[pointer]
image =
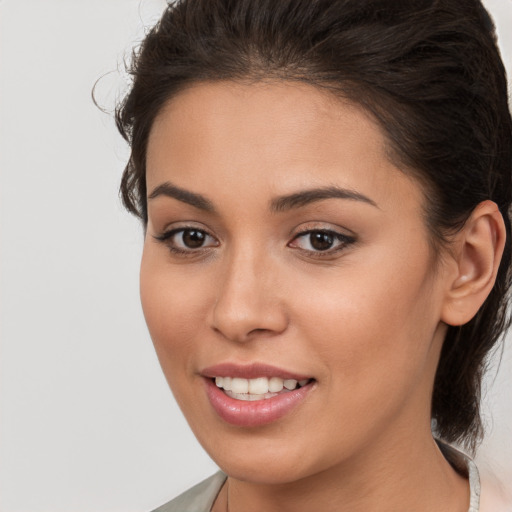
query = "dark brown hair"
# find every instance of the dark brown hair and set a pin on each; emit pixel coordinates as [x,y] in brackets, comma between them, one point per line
[428,70]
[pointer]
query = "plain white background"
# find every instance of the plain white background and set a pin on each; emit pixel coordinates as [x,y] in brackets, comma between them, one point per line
[87,422]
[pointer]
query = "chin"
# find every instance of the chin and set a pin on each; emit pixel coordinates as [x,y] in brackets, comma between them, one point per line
[267,457]
[264,472]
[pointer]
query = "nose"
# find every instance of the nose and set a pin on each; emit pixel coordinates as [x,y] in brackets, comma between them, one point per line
[248,303]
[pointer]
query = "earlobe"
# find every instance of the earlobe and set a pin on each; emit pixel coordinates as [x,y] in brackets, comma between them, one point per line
[478,252]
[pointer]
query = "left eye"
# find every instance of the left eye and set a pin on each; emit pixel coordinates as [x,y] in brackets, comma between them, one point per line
[320,240]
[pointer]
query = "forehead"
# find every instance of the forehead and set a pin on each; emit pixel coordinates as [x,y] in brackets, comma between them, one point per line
[275,135]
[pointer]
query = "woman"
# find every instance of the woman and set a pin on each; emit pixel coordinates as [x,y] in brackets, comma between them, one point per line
[325,189]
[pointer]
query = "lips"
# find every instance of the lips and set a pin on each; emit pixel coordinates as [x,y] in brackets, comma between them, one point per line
[250,371]
[256,394]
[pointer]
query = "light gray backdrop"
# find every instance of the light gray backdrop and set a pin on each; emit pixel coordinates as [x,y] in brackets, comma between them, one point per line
[86,420]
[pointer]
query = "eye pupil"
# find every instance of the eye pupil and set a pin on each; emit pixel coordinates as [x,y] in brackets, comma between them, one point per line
[193,238]
[321,241]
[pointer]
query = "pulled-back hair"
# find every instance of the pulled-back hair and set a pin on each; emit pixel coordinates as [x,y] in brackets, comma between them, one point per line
[429,72]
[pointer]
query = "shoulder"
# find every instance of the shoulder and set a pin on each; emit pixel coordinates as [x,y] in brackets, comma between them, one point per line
[199,498]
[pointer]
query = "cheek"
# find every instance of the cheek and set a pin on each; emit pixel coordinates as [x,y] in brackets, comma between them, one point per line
[172,307]
[373,326]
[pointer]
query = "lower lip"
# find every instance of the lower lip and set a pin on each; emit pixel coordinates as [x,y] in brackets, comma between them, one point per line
[254,413]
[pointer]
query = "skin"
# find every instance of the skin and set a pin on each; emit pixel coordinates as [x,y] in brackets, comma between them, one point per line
[365,319]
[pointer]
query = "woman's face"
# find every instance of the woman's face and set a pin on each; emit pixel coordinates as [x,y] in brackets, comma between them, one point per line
[283,245]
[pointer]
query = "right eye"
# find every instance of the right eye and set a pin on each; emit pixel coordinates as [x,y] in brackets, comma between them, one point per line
[187,240]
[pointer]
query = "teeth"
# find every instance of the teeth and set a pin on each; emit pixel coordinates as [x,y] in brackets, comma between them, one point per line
[258,387]
[290,384]
[239,385]
[275,384]
[248,397]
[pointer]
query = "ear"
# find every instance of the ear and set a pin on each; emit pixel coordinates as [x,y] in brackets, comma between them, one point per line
[477,255]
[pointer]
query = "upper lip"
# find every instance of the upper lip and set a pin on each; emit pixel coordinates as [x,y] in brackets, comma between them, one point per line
[250,371]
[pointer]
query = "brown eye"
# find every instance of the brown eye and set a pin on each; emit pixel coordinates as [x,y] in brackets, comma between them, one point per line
[317,241]
[321,241]
[193,238]
[187,240]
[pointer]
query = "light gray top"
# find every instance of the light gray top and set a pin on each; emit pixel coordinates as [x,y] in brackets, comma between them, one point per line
[201,497]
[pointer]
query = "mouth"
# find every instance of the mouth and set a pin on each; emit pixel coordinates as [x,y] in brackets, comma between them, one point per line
[260,388]
[255,395]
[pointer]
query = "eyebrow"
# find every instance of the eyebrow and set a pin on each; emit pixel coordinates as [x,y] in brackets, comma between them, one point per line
[278,204]
[305,197]
[169,190]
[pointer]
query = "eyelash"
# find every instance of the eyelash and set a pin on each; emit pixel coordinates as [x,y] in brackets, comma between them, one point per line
[344,241]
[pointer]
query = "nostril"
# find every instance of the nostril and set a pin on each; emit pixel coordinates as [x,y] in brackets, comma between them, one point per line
[256,331]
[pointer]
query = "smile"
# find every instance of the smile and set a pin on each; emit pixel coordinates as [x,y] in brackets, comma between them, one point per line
[255,395]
